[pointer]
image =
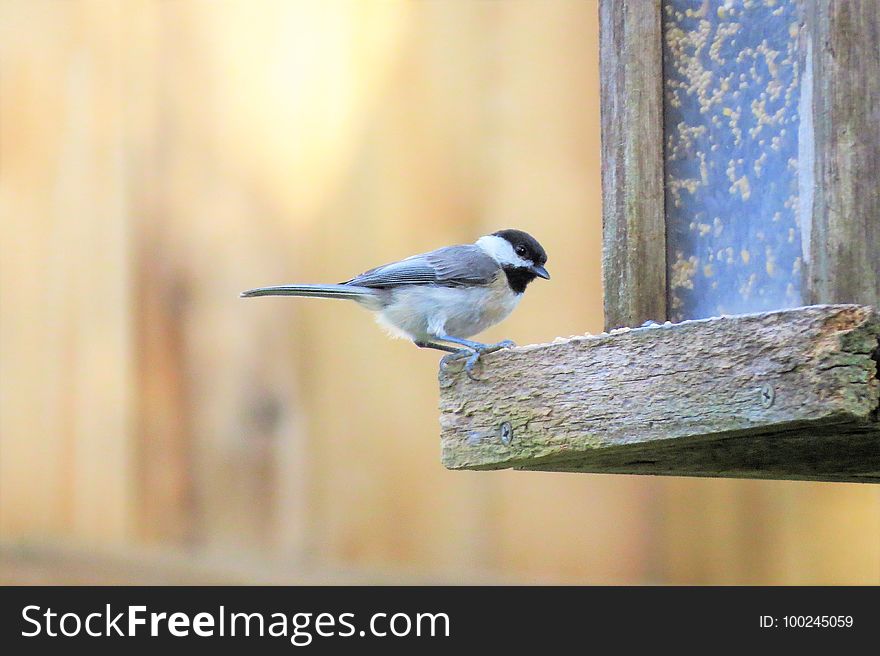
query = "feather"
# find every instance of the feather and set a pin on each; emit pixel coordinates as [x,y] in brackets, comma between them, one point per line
[452,266]
[314,291]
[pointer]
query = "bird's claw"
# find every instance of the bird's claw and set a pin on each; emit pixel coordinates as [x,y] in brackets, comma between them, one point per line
[473,356]
[470,356]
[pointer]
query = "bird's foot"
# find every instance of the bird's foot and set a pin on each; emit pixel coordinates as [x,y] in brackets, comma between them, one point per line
[504,343]
[471,356]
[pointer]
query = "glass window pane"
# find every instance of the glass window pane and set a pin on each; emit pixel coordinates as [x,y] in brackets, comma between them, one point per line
[731,95]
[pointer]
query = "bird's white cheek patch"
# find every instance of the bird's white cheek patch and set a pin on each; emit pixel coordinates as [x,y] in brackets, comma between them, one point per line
[501,251]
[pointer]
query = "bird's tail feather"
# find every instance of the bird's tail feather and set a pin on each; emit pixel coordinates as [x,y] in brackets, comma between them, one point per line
[349,292]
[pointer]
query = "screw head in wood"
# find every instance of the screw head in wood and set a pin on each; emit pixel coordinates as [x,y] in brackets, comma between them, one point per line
[768,395]
[506,432]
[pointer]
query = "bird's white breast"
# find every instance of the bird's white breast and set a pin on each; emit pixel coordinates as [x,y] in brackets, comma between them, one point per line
[420,311]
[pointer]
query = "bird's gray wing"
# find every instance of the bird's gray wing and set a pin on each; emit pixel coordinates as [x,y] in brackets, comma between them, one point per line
[453,266]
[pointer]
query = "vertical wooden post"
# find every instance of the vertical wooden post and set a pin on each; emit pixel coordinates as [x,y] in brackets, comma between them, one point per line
[842,203]
[634,224]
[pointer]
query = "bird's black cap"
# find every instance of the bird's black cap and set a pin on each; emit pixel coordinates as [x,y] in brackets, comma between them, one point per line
[532,249]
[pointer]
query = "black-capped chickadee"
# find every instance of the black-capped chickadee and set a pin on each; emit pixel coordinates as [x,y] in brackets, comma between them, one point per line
[444,296]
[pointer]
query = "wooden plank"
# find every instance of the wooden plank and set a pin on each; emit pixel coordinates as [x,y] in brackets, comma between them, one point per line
[788,394]
[842,69]
[164,491]
[33,439]
[634,225]
[67,356]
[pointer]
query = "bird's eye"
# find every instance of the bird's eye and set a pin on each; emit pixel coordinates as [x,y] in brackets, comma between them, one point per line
[520,250]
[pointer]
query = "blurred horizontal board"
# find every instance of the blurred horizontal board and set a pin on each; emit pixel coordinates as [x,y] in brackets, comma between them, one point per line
[731,136]
[791,394]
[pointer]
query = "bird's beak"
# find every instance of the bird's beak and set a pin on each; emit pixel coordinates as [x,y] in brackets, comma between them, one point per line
[540,271]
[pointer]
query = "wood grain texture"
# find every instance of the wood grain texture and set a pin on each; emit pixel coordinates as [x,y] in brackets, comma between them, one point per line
[634,225]
[843,66]
[789,394]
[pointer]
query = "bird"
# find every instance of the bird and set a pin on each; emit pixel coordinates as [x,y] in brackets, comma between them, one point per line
[441,298]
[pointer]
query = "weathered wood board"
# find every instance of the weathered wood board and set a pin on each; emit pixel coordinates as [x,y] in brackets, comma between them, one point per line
[791,394]
[633,222]
[843,68]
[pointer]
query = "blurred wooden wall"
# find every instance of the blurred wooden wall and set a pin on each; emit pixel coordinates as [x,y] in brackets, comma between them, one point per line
[158,157]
